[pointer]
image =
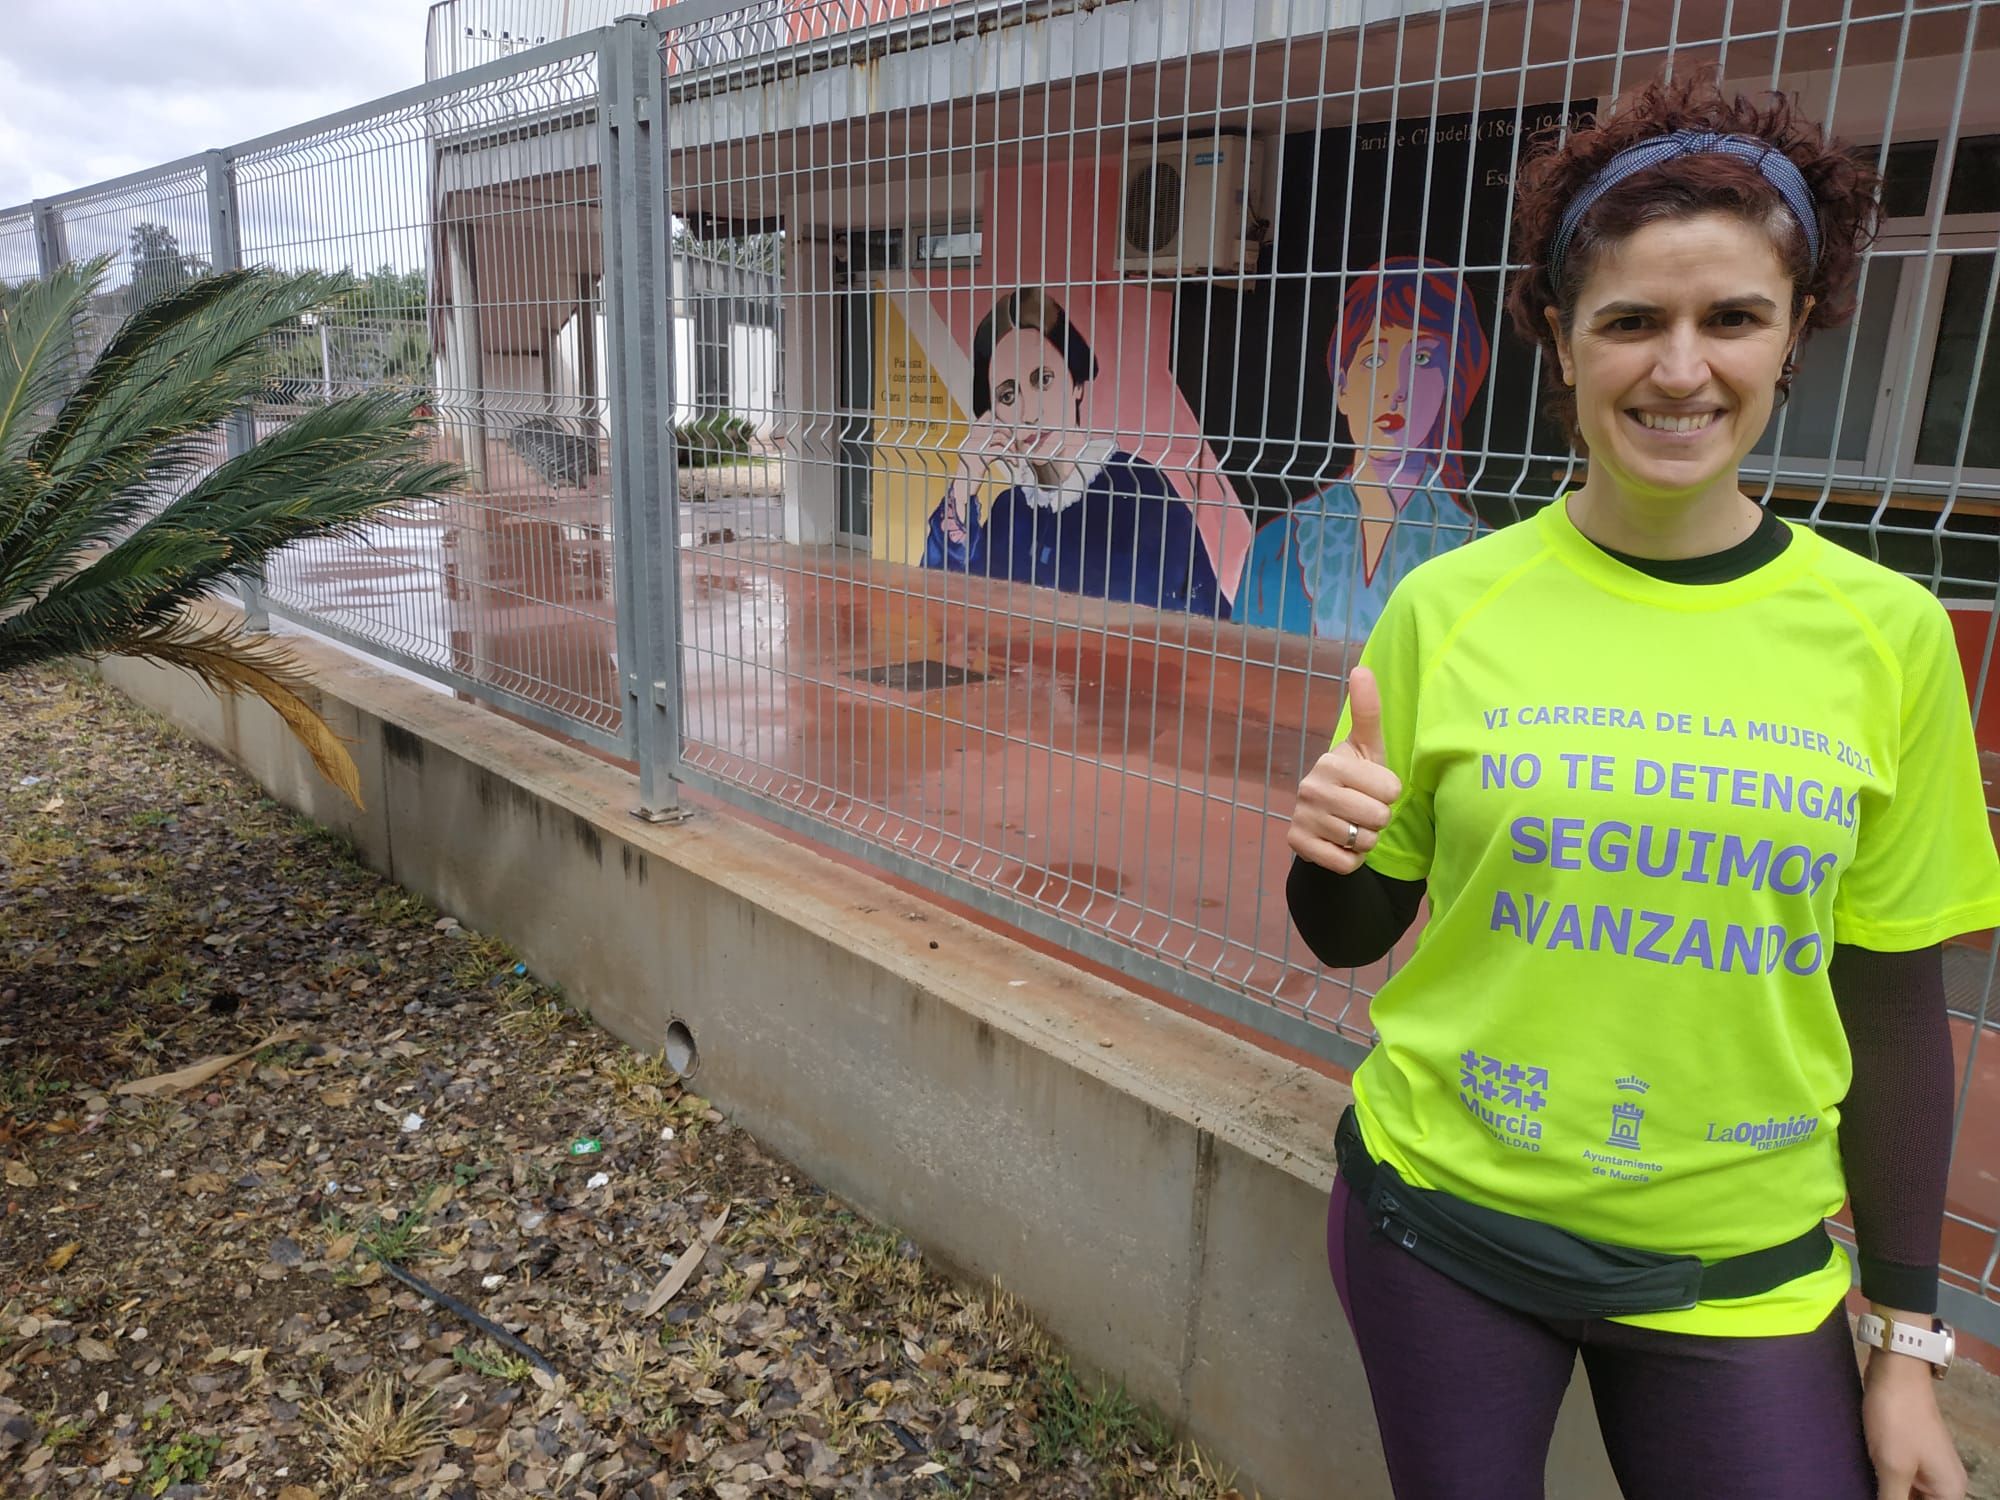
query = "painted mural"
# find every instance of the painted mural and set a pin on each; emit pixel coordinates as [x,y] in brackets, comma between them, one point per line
[1078,511]
[1027,425]
[1355,387]
[1407,360]
[1277,450]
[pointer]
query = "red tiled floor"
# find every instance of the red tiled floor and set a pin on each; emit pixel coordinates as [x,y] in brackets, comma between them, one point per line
[1131,770]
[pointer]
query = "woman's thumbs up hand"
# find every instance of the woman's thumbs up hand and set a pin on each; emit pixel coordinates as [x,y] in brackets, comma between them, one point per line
[1344,801]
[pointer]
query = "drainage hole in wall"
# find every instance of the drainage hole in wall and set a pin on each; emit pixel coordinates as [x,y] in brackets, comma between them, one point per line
[682,1054]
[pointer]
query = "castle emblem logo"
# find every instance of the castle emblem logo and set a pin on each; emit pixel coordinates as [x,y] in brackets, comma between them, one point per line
[1626,1115]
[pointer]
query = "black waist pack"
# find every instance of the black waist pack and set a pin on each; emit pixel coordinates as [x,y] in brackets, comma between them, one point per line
[1548,1272]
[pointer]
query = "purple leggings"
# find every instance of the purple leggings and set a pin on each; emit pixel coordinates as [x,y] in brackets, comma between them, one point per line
[1466,1391]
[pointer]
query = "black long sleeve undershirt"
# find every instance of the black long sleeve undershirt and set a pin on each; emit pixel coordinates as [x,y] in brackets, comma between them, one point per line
[1895,1129]
[1895,1124]
[1349,921]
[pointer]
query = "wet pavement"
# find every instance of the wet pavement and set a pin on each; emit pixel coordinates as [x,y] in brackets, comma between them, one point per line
[1130,770]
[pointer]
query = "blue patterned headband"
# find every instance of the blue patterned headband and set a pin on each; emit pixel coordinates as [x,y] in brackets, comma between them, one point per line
[1778,169]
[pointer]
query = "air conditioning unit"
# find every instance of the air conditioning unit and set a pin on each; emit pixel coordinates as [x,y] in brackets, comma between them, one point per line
[1190,207]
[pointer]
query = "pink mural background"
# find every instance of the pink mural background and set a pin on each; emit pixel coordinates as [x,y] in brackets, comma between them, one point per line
[1056,227]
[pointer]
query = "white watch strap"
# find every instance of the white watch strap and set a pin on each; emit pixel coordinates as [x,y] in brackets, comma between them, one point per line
[1933,1345]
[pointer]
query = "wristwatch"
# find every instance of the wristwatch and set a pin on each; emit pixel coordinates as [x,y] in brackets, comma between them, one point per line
[1934,1345]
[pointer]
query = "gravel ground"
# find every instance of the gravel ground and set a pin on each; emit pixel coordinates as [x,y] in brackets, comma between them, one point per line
[236,1284]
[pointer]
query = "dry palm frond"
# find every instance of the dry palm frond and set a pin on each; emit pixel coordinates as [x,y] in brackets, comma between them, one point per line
[230,661]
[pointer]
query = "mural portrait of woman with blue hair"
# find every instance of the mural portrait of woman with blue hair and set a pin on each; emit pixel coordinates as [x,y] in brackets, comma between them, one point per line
[1407,358]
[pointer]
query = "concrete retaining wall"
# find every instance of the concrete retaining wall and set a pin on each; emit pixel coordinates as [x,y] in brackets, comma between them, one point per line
[1154,1189]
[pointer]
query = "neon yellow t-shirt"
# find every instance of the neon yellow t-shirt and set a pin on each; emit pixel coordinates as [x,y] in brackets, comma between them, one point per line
[1646,812]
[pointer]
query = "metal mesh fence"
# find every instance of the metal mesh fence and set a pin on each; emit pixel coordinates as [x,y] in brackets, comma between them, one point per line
[1189,220]
[468,219]
[1126,767]
[749,31]
[19,258]
[462,34]
[152,232]
[152,228]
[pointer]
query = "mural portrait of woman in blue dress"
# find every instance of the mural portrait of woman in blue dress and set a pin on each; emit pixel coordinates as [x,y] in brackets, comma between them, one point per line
[1079,512]
[1407,358]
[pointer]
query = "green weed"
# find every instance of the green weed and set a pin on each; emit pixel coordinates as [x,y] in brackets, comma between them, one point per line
[499,1365]
[29,1083]
[643,1084]
[1099,1424]
[395,1242]
[175,1458]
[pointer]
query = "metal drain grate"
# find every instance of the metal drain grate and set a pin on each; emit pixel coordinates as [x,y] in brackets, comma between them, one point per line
[919,676]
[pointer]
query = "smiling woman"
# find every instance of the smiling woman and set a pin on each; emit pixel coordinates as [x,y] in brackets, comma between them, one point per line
[1722,904]
[1683,268]
[1674,352]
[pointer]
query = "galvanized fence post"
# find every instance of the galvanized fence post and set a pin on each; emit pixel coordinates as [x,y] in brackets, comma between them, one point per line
[51,255]
[638,290]
[50,250]
[239,432]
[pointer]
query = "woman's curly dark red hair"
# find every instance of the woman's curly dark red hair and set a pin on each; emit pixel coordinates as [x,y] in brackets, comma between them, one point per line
[1558,168]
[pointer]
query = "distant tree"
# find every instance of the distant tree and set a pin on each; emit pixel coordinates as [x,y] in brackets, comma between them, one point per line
[158,264]
[389,311]
[377,334]
[753,252]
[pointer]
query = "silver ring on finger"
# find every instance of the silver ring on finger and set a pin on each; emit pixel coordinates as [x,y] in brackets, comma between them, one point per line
[1353,833]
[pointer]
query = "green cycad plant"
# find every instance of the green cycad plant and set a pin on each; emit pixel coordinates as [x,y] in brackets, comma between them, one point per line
[115,515]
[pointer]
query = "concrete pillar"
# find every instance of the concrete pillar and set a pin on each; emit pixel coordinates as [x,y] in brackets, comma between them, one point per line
[711,341]
[460,368]
[811,347]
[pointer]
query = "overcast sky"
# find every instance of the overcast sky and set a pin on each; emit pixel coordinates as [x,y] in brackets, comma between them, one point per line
[90,89]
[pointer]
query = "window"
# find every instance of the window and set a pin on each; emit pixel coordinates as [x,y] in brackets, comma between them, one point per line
[1953,414]
[1895,394]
